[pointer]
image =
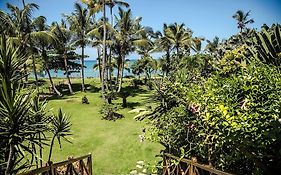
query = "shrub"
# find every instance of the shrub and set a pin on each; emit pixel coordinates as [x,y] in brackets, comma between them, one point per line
[108,112]
[85,100]
[229,119]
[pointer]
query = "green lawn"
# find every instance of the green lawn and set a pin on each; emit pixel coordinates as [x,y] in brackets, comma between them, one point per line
[115,146]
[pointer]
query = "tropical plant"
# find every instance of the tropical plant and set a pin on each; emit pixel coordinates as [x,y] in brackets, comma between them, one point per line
[126,36]
[109,112]
[209,114]
[60,129]
[242,19]
[17,124]
[43,41]
[212,46]
[80,22]
[63,48]
[18,25]
[180,37]
[266,45]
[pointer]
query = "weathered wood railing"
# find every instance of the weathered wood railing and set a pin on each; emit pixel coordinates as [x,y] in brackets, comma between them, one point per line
[187,167]
[79,166]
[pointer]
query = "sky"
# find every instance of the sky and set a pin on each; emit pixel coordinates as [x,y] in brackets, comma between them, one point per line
[206,18]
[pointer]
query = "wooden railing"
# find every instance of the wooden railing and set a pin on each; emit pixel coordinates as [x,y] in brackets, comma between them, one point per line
[79,166]
[173,165]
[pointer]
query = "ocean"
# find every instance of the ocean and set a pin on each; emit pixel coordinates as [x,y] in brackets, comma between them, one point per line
[88,71]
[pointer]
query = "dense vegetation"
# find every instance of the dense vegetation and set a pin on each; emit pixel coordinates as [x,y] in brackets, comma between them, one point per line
[220,103]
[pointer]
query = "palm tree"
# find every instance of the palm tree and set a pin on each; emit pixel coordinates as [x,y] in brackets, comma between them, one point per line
[80,22]
[43,40]
[18,24]
[63,47]
[112,4]
[164,44]
[242,19]
[180,37]
[126,35]
[212,46]
[197,44]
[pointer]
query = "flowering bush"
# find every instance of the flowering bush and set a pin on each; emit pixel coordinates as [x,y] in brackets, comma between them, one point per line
[231,122]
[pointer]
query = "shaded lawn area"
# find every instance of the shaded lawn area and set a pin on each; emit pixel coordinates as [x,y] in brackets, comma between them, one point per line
[115,146]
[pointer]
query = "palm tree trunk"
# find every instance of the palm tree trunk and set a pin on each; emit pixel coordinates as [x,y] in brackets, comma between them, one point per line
[52,83]
[118,70]
[9,161]
[51,148]
[40,150]
[168,62]
[82,70]
[35,73]
[67,75]
[110,53]
[104,51]
[99,64]
[110,69]
[122,72]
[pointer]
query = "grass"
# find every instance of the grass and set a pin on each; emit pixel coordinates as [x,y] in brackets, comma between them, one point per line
[115,145]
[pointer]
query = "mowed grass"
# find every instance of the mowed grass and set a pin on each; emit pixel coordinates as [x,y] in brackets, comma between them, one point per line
[115,145]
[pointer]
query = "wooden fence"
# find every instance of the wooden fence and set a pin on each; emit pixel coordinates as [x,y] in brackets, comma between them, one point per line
[173,165]
[78,166]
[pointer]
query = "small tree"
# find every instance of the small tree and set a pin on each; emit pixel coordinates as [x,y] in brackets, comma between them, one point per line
[60,128]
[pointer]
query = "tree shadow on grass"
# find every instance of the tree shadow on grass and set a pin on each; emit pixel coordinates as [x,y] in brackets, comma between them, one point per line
[134,91]
[63,88]
[130,105]
[76,87]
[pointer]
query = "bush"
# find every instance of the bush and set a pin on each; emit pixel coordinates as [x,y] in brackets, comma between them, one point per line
[85,100]
[229,119]
[109,112]
[136,82]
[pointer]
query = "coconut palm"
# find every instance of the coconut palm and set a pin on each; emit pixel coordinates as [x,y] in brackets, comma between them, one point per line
[97,34]
[63,47]
[127,35]
[18,24]
[80,22]
[164,45]
[43,41]
[212,46]
[242,19]
[180,37]
[112,4]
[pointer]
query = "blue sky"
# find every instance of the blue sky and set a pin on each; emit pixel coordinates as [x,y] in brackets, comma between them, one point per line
[207,18]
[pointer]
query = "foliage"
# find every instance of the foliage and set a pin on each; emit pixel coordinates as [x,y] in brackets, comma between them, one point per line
[242,19]
[226,116]
[18,124]
[266,45]
[85,100]
[109,112]
[60,128]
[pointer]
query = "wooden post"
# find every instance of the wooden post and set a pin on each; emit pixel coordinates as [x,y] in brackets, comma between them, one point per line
[51,168]
[191,168]
[89,163]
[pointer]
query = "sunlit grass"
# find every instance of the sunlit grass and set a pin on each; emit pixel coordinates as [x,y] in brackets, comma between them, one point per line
[115,146]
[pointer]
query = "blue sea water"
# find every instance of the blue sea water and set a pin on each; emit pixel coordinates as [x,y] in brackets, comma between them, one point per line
[88,71]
